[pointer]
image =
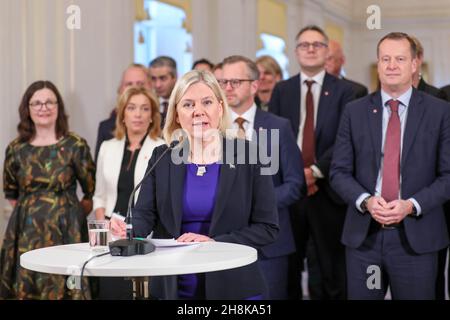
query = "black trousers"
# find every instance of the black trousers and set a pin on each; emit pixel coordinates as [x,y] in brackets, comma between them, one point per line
[321,219]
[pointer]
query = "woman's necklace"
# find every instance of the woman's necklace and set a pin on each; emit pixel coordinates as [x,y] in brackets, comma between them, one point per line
[201,170]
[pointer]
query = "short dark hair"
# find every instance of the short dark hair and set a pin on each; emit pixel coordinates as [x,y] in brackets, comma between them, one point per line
[165,61]
[203,61]
[399,36]
[251,65]
[26,126]
[312,28]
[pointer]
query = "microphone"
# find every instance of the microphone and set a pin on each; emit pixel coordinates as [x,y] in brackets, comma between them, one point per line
[129,246]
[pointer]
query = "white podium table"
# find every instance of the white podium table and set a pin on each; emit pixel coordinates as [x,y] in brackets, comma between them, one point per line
[197,258]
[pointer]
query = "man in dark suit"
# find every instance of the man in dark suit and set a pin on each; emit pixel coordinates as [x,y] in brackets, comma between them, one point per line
[313,101]
[335,61]
[418,81]
[163,75]
[134,75]
[240,84]
[420,84]
[446,90]
[391,165]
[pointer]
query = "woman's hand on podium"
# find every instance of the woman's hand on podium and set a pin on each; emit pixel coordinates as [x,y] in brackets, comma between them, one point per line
[193,237]
[118,228]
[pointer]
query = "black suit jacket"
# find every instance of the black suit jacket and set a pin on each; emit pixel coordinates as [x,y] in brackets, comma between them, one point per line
[359,90]
[435,92]
[446,90]
[245,212]
[335,94]
[105,132]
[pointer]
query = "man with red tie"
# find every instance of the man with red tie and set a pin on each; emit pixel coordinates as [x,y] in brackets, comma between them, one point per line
[313,101]
[391,164]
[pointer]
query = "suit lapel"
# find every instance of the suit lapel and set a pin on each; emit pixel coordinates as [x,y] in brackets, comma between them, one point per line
[326,96]
[375,116]
[296,93]
[115,162]
[258,124]
[415,113]
[142,161]
[177,180]
[226,180]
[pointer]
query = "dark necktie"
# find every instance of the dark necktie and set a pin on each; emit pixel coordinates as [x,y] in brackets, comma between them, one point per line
[308,143]
[391,162]
[164,106]
[241,131]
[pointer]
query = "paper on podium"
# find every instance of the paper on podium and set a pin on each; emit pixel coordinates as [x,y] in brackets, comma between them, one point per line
[160,243]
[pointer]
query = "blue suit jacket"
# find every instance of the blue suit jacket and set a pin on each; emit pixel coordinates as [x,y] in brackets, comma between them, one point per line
[425,166]
[289,181]
[245,212]
[335,94]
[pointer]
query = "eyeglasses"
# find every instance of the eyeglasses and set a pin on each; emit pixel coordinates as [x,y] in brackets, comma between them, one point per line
[316,45]
[234,83]
[49,104]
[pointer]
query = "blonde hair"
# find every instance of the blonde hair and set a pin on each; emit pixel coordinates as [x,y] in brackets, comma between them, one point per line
[270,64]
[188,79]
[154,129]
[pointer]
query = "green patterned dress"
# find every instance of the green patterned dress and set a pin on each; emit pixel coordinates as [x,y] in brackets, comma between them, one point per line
[43,180]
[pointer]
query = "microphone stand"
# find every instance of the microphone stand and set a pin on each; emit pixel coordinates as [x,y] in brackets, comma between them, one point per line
[130,246]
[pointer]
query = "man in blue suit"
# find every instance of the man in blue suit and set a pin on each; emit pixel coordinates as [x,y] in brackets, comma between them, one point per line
[313,101]
[240,84]
[391,164]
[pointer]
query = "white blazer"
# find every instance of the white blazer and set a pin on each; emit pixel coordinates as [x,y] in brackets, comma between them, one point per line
[108,170]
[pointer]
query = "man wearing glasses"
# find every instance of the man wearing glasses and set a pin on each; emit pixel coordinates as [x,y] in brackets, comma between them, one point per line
[313,101]
[240,84]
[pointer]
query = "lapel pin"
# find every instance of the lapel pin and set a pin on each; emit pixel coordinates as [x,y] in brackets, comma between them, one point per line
[375,111]
[326,93]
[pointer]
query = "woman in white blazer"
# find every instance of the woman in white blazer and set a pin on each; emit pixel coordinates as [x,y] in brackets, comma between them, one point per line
[121,164]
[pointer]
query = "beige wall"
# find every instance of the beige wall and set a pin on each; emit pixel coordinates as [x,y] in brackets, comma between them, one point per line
[84,64]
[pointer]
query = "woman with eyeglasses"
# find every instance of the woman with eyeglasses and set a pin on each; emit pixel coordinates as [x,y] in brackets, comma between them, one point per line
[121,165]
[207,196]
[41,169]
